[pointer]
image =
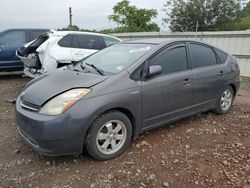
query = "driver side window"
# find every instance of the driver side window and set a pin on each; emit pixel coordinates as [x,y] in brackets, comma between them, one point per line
[171,60]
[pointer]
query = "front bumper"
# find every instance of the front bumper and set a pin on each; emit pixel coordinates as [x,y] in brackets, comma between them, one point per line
[51,135]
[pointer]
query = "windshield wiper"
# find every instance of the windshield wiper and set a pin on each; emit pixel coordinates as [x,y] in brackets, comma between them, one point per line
[100,71]
[82,66]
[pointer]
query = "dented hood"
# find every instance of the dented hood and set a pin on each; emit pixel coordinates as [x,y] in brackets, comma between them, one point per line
[43,88]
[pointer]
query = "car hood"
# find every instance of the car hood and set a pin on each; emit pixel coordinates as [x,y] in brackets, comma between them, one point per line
[43,88]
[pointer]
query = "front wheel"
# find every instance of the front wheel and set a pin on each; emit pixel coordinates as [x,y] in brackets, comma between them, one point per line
[109,136]
[225,101]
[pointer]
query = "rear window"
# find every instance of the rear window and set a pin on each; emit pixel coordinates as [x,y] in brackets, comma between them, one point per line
[221,55]
[69,41]
[110,40]
[89,42]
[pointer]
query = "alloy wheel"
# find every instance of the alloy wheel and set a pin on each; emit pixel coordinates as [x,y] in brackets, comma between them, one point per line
[226,100]
[111,137]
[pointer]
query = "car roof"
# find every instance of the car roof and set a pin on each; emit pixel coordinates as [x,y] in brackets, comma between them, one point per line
[26,29]
[163,41]
[64,33]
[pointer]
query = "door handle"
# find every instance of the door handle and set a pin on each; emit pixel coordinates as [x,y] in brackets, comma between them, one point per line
[221,73]
[186,81]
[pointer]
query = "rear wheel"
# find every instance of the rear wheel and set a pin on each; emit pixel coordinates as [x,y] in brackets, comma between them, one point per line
[225,101]
[109,136]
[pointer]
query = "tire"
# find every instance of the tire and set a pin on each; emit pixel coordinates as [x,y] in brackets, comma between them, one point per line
[109,136]
[225,101]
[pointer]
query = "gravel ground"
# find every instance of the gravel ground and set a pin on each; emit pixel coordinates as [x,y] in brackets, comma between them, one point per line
[206,150]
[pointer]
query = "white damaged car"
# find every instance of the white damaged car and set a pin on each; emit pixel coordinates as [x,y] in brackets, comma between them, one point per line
[56,49]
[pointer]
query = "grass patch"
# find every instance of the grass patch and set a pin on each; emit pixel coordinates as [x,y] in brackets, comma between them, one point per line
[245,79]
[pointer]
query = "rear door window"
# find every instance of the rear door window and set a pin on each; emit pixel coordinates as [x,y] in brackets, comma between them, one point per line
[12,38]
[202,55]
[91,42]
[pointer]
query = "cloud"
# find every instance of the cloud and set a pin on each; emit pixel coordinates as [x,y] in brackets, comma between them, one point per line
[53,14]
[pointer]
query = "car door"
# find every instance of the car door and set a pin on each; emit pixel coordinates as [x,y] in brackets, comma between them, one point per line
[208,75]
[169,95]
[88,44]
[10,41]
[63,52]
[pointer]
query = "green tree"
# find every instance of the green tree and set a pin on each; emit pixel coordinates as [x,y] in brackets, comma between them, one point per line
[132,19]
[70,28]
[224,13]
[212,15]
[76,28]
[244,21]
[246,10]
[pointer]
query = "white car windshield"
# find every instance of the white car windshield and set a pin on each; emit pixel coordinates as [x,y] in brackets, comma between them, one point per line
[117,57]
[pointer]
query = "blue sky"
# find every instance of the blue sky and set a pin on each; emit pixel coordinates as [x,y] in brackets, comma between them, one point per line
[53,14]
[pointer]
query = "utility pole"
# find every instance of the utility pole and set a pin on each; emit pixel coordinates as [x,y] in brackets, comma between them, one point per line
[70,17]
[196,29]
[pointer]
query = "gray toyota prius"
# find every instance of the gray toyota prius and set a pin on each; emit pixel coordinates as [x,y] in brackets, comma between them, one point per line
[101,102]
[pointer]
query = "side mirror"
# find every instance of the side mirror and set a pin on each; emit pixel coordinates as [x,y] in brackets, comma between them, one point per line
[154,70]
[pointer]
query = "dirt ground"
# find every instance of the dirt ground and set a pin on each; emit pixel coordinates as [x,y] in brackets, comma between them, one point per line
[206,150]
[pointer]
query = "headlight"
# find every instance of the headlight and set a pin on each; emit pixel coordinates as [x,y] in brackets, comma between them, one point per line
[63,102]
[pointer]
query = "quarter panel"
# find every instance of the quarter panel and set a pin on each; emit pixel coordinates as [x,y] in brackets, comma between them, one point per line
[208,82]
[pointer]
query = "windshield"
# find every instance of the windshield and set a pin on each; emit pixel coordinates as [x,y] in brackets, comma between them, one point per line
[117,57]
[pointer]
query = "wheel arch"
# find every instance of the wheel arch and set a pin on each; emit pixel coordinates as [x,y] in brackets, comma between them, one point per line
[233,87]
[123,110]
[128,113]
